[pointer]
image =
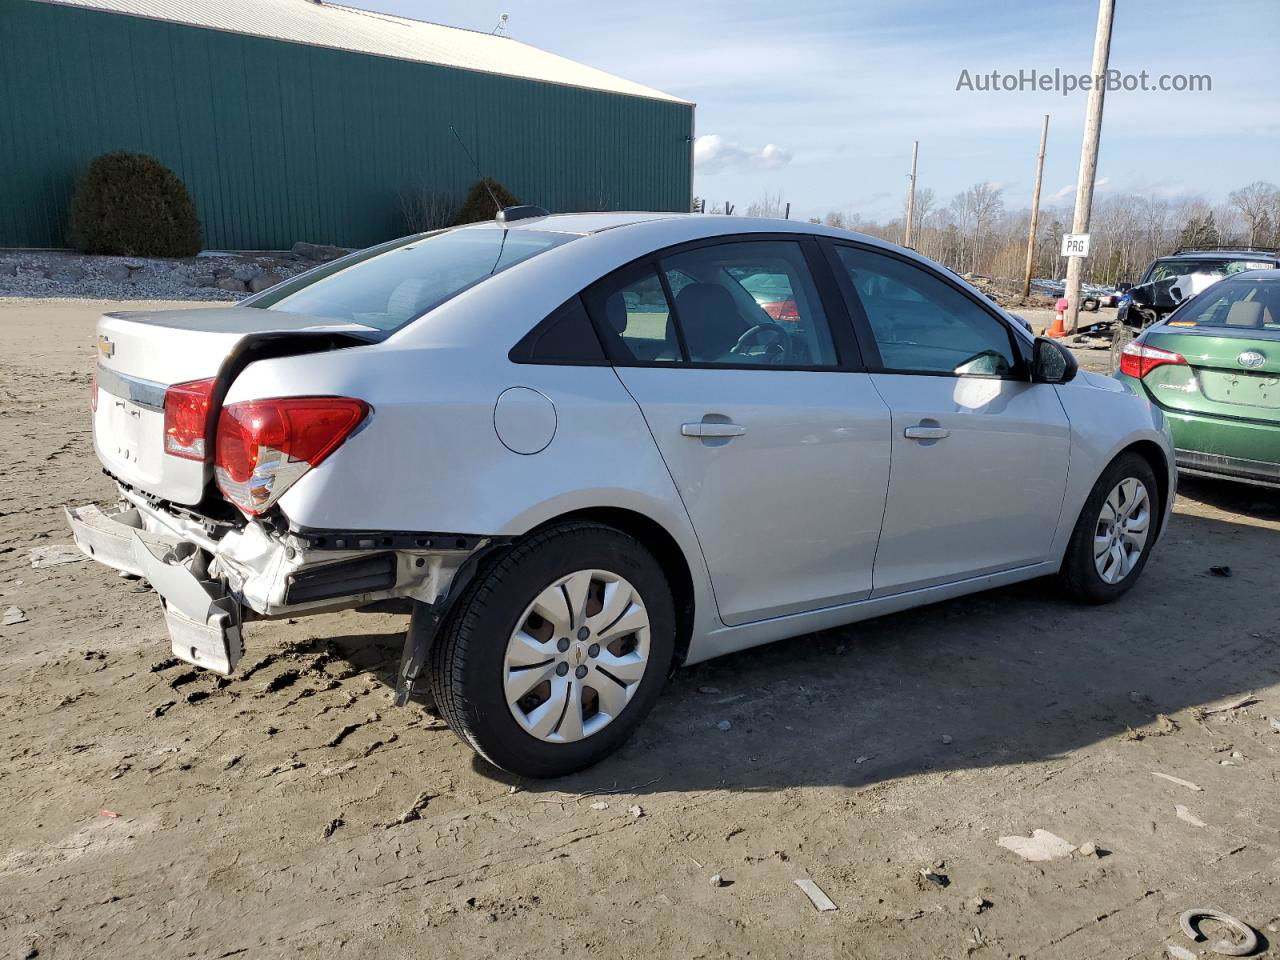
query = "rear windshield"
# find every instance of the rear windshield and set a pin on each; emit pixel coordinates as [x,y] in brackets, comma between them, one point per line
[1238,304]
[1164,269]
[399,282]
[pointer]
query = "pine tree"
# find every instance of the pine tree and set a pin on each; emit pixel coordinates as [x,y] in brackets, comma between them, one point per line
[1189,237]
[1209,236]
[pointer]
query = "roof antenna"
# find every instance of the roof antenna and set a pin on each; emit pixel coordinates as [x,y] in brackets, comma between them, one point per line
[497,207]
[502,24]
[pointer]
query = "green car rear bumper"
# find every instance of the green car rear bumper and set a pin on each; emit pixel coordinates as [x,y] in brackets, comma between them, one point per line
[1218,446]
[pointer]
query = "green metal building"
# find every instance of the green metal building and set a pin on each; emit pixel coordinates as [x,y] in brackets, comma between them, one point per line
[303,120]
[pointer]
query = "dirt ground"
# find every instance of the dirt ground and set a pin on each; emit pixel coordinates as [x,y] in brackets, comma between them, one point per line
[152,810]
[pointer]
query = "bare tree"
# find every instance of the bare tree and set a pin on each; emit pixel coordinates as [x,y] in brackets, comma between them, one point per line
[770,205]
[974,232]
[423,209]
[835,218]
[1254,202]
[925,202]
[987,204]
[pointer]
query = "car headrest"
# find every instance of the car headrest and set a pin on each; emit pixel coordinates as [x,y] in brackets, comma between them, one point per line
[615,310]
[1245,313]
[408,297]
[710,320]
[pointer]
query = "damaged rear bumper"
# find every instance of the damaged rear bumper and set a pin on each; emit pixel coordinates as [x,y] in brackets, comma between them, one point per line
[209,586]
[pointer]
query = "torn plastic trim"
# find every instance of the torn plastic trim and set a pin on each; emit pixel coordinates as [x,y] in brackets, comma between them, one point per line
[202,619]
[260,566]
[426,619]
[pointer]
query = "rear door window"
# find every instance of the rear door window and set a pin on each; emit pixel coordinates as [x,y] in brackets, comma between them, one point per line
[749,303]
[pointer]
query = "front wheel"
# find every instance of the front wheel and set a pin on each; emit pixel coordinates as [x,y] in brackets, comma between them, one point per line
[1114,533]
[557,651]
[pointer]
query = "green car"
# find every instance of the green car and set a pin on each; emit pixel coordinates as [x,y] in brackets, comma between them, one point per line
[1213,367]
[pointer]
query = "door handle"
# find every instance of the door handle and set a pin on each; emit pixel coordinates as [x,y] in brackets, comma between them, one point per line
[926,433]
[704,429]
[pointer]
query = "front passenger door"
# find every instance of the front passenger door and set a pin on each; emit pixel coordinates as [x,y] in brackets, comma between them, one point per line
[979,452]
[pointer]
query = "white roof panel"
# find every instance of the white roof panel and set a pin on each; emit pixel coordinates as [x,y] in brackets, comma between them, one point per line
[325,24]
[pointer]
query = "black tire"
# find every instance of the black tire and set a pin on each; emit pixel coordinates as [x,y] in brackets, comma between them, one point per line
[468,655]
[1121,336]
[1079,573]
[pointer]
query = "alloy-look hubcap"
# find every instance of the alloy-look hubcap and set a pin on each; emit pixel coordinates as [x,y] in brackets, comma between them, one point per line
[1123,526]
[577,656]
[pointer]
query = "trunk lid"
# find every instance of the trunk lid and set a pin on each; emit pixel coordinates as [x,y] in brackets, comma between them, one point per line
[142,353]
[1228,373]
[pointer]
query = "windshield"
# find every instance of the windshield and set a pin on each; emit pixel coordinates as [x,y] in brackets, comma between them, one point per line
[1239,304]
[1164,269]
[401,281]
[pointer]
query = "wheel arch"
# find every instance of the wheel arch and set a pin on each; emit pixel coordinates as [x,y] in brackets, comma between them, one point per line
[666,550]
[1150,451]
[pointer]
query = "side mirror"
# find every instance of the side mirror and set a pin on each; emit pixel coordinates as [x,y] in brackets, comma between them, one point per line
[1123,287]
[1052,362]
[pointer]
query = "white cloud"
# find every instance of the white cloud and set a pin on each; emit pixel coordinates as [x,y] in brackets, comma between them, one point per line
[1070,189]
[713,153]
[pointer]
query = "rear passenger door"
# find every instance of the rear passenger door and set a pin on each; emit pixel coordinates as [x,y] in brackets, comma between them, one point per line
[777,441]
[979,451]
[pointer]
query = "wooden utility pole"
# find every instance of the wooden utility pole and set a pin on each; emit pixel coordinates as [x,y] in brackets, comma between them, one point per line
[911,195]
[1035,211]
[1089,154]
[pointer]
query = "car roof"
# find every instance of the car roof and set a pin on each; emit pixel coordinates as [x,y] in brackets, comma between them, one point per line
[1272,274]
[584,224]
[1222,255]
[701,225]
[581,223]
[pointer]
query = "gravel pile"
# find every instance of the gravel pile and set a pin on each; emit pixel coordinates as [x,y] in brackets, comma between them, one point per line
[209,276]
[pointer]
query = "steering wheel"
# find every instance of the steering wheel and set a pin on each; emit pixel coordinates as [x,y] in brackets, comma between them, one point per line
[777,350]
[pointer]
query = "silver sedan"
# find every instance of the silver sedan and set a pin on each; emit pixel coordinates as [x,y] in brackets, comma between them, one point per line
[589,448]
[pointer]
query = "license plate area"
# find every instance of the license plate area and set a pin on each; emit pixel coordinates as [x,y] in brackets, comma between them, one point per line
[123,439]
[1244,389]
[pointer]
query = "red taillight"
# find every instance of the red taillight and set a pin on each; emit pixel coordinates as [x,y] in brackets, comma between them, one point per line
[93,390]
[783,311]
[264,446]
[1137,359]
[186,419]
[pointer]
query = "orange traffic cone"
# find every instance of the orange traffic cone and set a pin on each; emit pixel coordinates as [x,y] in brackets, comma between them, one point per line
[1057,330]
[1060,311]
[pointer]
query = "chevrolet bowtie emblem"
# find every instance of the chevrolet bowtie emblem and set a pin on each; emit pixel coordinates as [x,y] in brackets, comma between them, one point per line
[106,347]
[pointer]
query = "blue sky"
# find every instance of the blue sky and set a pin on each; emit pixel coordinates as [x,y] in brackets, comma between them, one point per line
[820,100]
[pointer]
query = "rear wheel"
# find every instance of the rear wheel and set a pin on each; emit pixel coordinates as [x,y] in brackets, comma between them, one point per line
[1114,533]
[557,651]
